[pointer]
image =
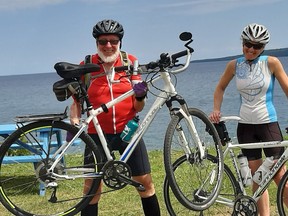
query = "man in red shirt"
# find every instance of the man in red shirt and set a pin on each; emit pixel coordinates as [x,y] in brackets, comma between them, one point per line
[108,35]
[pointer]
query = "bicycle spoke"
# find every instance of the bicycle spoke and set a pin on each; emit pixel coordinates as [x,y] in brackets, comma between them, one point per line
[27,185]
[223,204]
[196,183]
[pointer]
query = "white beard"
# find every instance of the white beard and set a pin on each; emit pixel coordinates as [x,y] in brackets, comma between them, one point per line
[109,59]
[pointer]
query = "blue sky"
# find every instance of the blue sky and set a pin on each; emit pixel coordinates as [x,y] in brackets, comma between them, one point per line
[35,34]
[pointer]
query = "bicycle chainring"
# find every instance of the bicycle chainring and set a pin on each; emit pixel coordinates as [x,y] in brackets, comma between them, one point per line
[115,173]
[245,206]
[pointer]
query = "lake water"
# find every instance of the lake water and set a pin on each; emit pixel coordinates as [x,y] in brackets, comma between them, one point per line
[32,94]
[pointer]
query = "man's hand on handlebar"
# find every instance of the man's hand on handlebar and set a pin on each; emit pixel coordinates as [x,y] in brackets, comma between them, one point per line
[140,90]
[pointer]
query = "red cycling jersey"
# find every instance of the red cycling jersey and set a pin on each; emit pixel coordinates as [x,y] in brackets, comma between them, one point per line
[101,91]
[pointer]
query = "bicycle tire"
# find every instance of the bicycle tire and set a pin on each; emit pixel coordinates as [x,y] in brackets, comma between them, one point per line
[203,177]
[282,195]
[27,188]
[229,190]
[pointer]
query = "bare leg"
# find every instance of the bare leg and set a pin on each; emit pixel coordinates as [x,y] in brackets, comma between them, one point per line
[277,179]
[263,203]
[87,185]
[92,208]
[148,197]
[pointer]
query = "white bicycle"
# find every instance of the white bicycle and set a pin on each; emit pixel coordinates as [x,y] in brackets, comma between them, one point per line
[234,198]
[57,166]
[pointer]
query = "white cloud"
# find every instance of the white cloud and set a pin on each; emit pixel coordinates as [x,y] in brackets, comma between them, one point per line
[180,6]
[97,1]
[23,4]
[208,6]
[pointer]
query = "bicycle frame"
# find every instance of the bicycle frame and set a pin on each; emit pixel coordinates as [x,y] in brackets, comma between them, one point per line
[167,92]
[266,181]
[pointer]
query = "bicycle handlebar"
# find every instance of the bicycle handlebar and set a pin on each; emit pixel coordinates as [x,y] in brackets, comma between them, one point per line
[179,55]
[70,71]
[165,60]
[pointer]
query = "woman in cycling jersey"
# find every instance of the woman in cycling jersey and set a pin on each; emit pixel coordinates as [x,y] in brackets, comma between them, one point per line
[108,35]
[255,74]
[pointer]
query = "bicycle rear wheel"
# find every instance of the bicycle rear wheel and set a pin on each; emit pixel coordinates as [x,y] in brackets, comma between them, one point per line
[223,204]
[28,188]
[197,183]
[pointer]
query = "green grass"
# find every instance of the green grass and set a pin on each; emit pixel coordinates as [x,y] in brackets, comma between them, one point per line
[127,201]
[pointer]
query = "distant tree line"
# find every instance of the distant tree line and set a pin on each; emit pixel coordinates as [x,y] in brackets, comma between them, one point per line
[272,52]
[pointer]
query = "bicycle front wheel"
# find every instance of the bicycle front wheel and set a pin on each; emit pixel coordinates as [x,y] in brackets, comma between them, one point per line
[197,182]
[223,204]
[29,183]
[282,195]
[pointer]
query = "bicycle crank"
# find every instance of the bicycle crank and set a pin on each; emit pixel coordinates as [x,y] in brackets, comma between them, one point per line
[245,206]
[117,174]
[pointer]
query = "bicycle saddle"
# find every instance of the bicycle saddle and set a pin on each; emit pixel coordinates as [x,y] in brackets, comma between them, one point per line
[68,70]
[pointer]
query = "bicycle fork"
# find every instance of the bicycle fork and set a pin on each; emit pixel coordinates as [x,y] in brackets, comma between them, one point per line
[184,143]
[183,110]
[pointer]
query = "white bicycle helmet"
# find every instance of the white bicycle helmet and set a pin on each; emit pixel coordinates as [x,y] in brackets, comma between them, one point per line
[256,33]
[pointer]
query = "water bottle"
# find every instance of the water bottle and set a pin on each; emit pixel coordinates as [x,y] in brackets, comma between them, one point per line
[263,170]
[245,171]
[130,129]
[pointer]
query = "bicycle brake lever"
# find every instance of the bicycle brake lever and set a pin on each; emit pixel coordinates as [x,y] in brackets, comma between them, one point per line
[177,65]
[165,60]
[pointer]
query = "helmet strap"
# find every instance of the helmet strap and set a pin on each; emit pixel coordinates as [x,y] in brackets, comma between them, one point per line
[250,61]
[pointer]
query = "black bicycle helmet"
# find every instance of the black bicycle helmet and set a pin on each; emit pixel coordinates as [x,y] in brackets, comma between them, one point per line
[108,27]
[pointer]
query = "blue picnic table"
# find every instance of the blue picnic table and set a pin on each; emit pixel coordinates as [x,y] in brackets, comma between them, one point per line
[8,129]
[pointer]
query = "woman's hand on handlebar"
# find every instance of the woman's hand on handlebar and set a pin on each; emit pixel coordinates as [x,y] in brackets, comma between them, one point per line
[215,116]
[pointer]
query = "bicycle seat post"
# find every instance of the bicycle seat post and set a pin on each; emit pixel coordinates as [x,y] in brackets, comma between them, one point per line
[84,95]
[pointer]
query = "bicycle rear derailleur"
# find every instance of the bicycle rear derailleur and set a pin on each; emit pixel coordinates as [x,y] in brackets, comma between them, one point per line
[117,174]
[42,173]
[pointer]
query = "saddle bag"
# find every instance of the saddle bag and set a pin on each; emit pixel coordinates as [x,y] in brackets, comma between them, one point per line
[64,89]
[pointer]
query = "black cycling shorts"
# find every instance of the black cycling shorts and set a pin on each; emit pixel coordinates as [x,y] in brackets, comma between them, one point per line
[138,161]
[249,133]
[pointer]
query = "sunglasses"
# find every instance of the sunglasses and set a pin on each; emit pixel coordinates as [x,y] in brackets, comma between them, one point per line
[255,46]
[104,42]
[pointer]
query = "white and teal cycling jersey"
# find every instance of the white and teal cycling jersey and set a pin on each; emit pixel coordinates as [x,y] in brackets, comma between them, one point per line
[255,83]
